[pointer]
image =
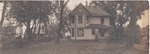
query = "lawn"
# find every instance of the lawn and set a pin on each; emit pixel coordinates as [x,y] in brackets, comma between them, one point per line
[74,47]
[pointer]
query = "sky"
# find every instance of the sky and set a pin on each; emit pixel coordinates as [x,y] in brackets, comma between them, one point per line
[1,5]
[73,3]
[145,19]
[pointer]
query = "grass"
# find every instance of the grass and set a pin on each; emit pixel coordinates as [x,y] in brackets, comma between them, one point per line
[74,47]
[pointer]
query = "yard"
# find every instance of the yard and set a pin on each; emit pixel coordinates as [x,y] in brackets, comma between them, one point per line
[74,47]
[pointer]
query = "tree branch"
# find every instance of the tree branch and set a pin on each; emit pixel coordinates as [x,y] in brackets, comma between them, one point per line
[63,6]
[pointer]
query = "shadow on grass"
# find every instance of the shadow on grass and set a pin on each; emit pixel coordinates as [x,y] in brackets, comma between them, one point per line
[13,44]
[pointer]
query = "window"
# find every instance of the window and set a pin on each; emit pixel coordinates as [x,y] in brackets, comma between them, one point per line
[72,32]
[80,10]
[93,31]
[87,19]
[80,32]
[101,32]
[80,19]
[72,19]
[102,20]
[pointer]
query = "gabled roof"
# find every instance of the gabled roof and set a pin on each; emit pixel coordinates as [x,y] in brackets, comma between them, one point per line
[96,11]
[89,10]
[97,26]
[80,10]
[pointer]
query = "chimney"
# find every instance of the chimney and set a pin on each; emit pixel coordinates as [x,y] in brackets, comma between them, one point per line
[86,2]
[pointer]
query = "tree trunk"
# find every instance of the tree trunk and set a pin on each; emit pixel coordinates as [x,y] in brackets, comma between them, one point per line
[60,23]
[28,30]
[62,6]
[45,28]
[60,26]
[132,30]
[39,29]
[34,27]
[3,14]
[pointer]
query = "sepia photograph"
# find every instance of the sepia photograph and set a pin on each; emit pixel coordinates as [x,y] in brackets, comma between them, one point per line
[74,27]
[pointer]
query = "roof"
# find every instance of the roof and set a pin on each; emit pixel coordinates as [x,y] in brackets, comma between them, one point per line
[89,10]
[96,11]
[97,26]
[80,10]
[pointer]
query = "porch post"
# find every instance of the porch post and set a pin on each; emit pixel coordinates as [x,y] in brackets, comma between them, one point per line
[76,27]
[96,34]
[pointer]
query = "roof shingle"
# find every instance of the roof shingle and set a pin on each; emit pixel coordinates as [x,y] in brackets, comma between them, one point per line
[96,11]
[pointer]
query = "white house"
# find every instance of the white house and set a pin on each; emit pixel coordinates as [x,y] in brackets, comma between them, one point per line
[89,23]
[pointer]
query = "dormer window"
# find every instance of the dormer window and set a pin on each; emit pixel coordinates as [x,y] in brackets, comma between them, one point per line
[80,19]
[80,10]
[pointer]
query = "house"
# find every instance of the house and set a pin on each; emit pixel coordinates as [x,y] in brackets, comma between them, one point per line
[89,23]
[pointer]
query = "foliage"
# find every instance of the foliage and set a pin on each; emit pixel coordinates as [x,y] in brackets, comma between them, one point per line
[28,11]
[25,11]
[121,13]
[62,5]
[9,30]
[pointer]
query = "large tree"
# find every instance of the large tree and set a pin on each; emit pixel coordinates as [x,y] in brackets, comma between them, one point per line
[61,4]
[121,13]
[133,32]
[26,11]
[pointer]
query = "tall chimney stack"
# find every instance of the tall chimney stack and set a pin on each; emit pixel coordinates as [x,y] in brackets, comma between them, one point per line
[86,2]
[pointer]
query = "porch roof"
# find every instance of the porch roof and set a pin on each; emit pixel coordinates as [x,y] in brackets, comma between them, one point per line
[97,26]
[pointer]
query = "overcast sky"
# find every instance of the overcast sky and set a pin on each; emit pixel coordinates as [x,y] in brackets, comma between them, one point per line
[1,4]
[74,3]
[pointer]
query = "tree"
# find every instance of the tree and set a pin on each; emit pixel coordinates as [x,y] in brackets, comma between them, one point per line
[121,13]
[26,11]
[133,29]
[62,5]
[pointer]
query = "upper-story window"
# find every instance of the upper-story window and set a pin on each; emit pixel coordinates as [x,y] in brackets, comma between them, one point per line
[80,19]
[80,10]
[87,20]
[72,19]
[102,20]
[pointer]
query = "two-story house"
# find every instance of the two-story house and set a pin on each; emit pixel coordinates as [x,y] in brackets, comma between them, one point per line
[89,23]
